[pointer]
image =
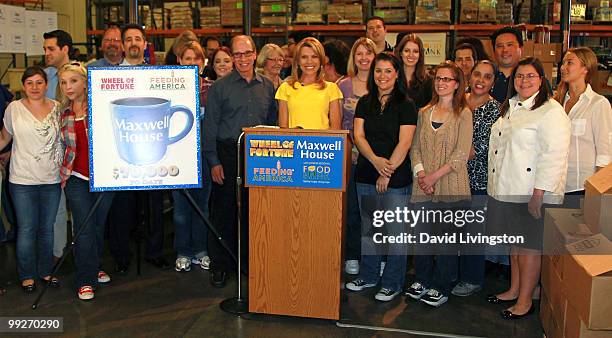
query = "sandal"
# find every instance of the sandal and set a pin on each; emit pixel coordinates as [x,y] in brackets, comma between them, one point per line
[54,283]
[28,288]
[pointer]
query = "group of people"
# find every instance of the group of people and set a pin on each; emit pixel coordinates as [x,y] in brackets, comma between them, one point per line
[472,126]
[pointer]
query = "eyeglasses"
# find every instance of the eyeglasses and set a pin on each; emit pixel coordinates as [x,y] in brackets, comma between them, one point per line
[111,40]
[444,79]
[247,54]
[275,59]
[527,77]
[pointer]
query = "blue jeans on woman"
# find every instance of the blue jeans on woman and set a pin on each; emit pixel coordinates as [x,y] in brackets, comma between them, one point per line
[35,207]
[190,232]
[89,246]
[372,253]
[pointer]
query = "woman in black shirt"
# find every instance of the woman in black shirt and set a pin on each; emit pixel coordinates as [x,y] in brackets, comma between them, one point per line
[385,121]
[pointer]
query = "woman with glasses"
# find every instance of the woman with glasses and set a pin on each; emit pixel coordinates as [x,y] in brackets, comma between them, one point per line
[591,116]
[305,100]
[439,160]
[270,63]
[528,153]
[353,87]
[32,123]
[385,121]
[485,111]
[74,173]
[418,82]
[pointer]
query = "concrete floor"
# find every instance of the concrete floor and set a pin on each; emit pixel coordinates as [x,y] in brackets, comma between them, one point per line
[170,304]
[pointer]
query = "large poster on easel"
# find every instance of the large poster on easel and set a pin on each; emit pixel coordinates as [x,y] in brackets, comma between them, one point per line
[144,129]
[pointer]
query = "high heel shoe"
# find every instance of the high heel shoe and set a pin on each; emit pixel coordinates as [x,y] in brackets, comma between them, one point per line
[54,283]
[507,314]
[494,300]
[30,288]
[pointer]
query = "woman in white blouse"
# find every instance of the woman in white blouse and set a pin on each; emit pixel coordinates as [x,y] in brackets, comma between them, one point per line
[32,123]
[528,152]
[591,117]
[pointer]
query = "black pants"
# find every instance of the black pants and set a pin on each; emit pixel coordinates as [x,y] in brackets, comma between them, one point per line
[224,213]
[129,209]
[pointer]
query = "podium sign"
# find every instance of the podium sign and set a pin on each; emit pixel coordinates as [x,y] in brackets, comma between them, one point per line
[298,161]
[144,130]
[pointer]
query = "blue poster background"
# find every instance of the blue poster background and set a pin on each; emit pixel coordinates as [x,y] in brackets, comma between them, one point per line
[294,161]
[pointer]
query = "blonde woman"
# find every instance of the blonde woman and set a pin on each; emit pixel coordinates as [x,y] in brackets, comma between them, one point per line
[353,87]
[591,116]
[305,100]
[74,174]
[270,62]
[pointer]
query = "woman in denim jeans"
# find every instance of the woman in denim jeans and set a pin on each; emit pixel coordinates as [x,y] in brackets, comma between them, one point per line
[33,125]
[74,173]
[385,121]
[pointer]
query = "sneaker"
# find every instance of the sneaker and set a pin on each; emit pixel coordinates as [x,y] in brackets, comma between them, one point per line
[386,295]
[416,290]
[203,262]
[182,264]
[103,277]
[358,285]
[382,267]
[351,267]
[464,289]
[433,297]
[86,292]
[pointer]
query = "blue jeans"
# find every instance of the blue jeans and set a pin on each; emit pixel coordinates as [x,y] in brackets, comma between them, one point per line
[369,270]
[89,246]
[353,219]
[36,207]
[190,232]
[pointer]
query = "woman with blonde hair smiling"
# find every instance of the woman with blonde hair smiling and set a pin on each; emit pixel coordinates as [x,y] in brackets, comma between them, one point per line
[270,62]
[74,175]
[591,117]
[305,99]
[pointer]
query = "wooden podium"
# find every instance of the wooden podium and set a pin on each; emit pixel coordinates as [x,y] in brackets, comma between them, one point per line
[295,233]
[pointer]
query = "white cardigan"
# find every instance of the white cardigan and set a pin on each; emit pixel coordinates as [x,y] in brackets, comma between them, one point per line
[528,150]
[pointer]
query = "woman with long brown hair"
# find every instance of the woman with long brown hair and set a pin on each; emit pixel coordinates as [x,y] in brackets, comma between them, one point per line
[591,116]
[439,159]
[418,83]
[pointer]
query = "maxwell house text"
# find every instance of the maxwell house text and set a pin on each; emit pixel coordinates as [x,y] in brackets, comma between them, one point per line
[148,131]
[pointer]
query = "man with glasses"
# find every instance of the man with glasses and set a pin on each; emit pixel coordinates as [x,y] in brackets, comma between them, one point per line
[508,49]
[239,99]
[112,48]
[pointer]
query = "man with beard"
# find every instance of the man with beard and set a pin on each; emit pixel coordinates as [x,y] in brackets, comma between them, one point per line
[112,48]
[134,44]
[240,99]
[131,208]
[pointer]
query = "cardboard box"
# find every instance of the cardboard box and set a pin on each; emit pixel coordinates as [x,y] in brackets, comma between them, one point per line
[392,3]
[469,12]
[575,328]
[545,52]
[553,288]
[562,227]
[528,48]
[587,280]
[598,202]
[551,327]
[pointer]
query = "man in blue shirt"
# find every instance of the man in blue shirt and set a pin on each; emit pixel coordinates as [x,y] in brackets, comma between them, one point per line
[112,48]
[508,50]
[57,46]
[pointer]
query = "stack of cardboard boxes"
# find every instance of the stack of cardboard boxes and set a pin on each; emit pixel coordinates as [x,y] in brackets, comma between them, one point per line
[433,11]
[275,12]
[181,17]
[311,11]
[231,12]
[345,12]
[393,11]
[210,17]
[577,265]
